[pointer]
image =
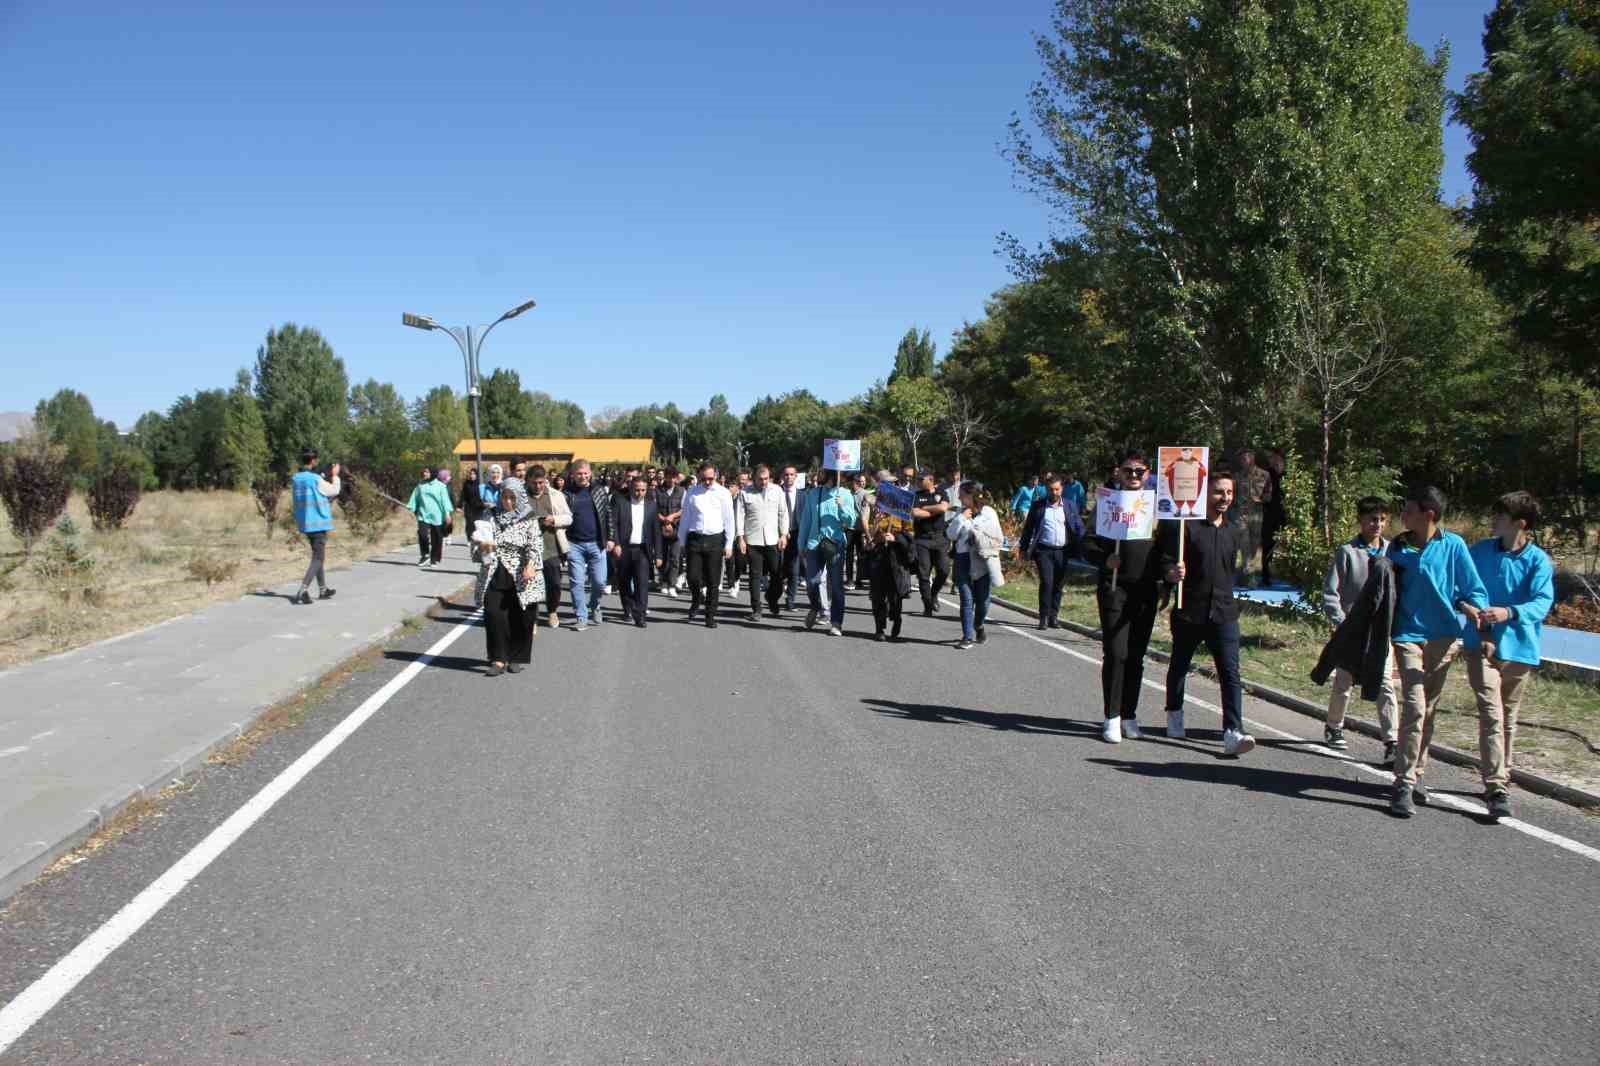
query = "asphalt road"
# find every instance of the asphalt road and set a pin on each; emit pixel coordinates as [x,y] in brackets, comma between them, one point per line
[766,845]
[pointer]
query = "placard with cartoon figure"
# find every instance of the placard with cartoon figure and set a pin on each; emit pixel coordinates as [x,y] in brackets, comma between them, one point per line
[1124,514]
[1182,472]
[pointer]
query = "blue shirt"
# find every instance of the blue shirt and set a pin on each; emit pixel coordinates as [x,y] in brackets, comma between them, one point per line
[827,513]
[1524,581]
[311,511]
[1432,581]
[1075,495]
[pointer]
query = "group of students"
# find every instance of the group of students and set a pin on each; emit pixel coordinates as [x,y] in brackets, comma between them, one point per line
[1403,608]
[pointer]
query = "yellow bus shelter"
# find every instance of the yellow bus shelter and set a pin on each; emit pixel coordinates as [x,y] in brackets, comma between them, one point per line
[557,452]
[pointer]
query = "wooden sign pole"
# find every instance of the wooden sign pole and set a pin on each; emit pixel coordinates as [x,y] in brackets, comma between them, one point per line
[1181,525]
[1117,551]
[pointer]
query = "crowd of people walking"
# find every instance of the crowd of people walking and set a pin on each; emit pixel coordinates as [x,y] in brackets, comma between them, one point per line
[1402,608]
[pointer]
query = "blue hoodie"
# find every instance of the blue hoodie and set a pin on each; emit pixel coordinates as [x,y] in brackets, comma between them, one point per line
[1432,581]
[1524,581]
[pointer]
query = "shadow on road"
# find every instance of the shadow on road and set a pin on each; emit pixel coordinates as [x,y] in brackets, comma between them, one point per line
[1015,723]
[447,662]
[1260,779]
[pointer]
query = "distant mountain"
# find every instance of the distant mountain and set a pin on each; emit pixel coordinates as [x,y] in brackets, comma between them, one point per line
[12,423]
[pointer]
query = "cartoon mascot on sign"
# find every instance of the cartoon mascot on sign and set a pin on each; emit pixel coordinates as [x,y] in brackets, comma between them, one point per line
[1185,475]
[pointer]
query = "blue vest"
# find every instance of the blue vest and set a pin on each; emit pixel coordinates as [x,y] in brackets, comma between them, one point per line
[312,510]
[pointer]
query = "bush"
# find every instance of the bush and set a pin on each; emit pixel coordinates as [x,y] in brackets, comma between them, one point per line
[212,568]
[268,491]
[34,489]
[112,497]
[66,571]
[364,508]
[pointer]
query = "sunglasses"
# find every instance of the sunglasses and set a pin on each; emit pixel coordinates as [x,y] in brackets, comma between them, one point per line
[1136,471]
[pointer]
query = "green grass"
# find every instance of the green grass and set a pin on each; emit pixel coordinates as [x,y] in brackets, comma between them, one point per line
[1559,729]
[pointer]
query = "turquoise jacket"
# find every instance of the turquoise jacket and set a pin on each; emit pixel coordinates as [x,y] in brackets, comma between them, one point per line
[827,513]
[1524,581]
[1075,495]
[312,510]
[430,502]
[1432,581]
[1022,502]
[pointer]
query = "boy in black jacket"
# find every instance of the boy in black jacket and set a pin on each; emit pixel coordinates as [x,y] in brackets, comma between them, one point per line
[1127,612]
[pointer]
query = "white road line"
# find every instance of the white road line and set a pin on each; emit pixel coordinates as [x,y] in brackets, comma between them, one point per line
[1435,799]
[20,1015]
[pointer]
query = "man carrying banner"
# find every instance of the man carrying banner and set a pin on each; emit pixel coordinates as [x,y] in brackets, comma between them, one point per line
[1127,595]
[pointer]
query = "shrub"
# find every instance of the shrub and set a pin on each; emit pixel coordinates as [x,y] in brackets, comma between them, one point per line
[63,568]
[364,508]
[112,497]
[212,568]
[268,491]
[34,489]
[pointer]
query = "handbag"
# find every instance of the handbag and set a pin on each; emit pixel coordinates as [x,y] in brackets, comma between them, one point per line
[827,550]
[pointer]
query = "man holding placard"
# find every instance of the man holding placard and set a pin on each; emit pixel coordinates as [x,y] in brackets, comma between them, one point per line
[1127,593]
[1202,558]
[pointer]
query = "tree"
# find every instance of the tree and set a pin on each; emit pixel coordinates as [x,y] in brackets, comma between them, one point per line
[34,483]
[380,436]
[504,409]
[302,390]
[710,432]
[68,421]
[913,357]
[1213,154]
[440,422]
[785,429]
[1533,114]
[244,436]
[915,405]
[965,421]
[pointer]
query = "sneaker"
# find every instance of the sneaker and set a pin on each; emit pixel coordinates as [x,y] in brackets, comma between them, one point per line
[983,635]
[581,627]
[1333,737]
[1400,804]
[1499,804]
[811,618]
[1130,728]
[304,597]
[494,671]
[1175,725]
[424,565]
[1111,732]
[835,631]
[1420,792]
[515,668]
[672,590]
[555,620]
[639,623]
[1389,749]
[326,594]
[1235,743]
[964,644]
[599,617]
[753,616]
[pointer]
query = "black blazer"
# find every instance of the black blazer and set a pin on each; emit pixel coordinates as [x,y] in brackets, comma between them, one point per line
[622,523]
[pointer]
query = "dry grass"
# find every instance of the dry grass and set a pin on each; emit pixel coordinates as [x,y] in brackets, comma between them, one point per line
[142,573]
[1559,731]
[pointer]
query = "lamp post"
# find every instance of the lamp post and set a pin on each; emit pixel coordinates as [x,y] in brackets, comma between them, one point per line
[471,344]
[679,427]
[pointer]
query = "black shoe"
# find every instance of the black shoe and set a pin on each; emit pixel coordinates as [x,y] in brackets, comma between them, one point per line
[773,612]
[1389,748]
[694,612]
[495,671]
[927,612]
[894,633]
[304,597]
[983,635]
[879,637]
[638,623]
[1055,623]
[1044,623]
[515,668]
[753,616]
[326,594]
[1333,737]
[711,623]
[1499,804]
[1420,791]
[1400,803]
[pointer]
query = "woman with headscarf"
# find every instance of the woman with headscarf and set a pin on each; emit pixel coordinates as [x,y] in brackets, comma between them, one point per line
[512,583]
[430,503]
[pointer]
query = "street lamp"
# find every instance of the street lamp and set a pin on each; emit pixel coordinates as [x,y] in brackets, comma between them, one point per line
[679,427]
[471,344]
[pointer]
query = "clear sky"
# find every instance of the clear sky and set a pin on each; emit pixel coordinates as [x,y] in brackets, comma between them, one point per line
[703,196]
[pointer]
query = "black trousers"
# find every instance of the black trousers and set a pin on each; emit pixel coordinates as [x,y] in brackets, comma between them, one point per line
[507,628]
[856,567]
[1127,617]
[764,563]
[634,581]
[735,568]
[430,542]
[674,563]
[319,548]
[1052,563]
[790,578]
[933,558]
[704,562]
[888,582]
[552,583]
[1222,641]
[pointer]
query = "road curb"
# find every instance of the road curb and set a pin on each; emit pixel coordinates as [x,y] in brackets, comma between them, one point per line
[25,864]
[1531,782]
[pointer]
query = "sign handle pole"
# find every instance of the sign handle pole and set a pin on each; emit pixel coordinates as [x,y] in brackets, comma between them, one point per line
[1181,524]
[1116,551]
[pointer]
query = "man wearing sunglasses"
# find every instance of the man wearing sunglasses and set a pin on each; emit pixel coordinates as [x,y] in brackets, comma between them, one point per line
[707,534]
[1127,612]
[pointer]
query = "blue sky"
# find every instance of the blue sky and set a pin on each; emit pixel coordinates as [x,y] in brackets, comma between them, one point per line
[703,197]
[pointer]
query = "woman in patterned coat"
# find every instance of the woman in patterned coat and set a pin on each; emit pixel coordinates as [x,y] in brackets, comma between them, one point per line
[512,583]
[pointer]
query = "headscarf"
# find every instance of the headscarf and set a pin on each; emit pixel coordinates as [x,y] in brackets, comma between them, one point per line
[494,468]
[442,474]
[521,510]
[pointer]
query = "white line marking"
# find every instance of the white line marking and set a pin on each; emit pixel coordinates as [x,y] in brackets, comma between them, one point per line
[1435,799]
[12,751]
[18,1016]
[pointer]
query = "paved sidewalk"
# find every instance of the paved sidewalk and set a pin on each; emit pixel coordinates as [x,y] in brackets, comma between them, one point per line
[83,733]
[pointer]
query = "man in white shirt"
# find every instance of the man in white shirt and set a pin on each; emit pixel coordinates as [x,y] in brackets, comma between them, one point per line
[706,532]
[789,578]
[1046,538]
[763,538]
[636,548]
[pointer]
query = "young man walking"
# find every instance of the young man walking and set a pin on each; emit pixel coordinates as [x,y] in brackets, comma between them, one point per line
[1127,612]
[590,504]
[635,549]
[311,494]
[553,516]
[827,516]
[791,553]
[1347,576]
[1210,614]
[764,538]
[669,510]
[1051,529]
[1436,579]
[707,535]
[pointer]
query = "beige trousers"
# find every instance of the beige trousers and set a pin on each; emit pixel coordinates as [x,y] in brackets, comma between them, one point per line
[1499,686]
[1339,701]
[1423,668]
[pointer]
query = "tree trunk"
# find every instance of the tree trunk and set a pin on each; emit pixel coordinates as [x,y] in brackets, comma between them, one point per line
[1324,481]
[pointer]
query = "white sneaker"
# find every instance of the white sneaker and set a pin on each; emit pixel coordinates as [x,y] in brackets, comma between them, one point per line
[672,591]
[834,631]
[1237,743]
[1111,732]
[1175,725]
[1130,729]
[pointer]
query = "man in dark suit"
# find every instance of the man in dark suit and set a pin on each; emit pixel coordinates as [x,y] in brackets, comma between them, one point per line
[637,546]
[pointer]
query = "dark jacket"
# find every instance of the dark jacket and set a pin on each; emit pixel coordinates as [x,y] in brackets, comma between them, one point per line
[1030,528]
[602,509]
[622,523]
[1210,561]
[1361,643]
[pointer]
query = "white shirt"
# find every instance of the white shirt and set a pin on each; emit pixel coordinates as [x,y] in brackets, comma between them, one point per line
[790,497]
[707,510]
[636,532]
[766,516]
[1053,527]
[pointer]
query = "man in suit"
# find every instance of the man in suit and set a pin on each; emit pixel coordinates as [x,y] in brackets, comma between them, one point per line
[669,510]
[636,548]
[791,552]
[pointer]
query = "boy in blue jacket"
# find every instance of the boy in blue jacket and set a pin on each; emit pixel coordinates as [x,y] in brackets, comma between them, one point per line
[1436,579]
[1503,649]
